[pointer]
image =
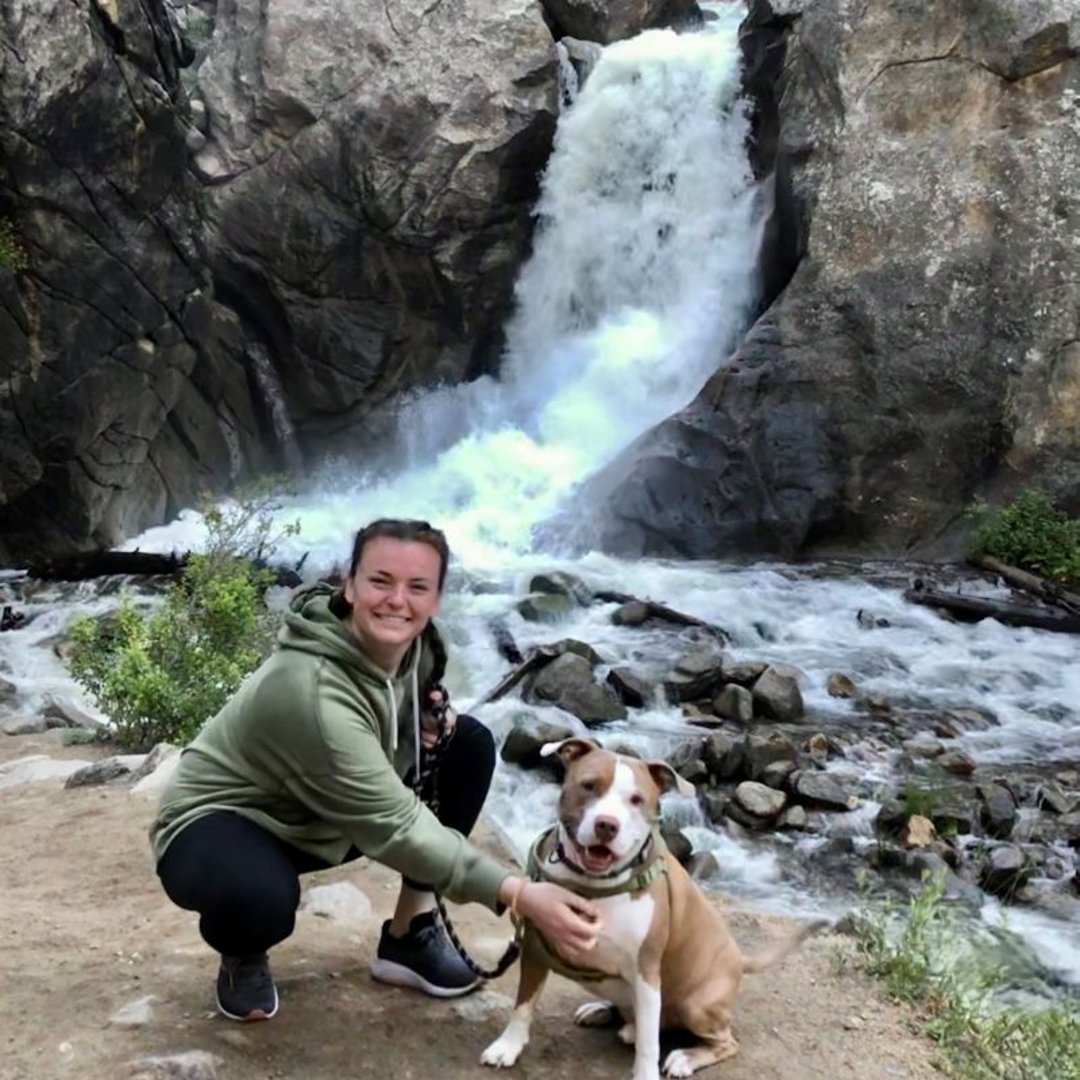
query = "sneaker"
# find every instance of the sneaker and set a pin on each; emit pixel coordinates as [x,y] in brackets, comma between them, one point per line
[423,960]
[245,988]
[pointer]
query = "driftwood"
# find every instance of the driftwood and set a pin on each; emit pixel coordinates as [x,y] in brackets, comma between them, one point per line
[662,611]
[504,642]
[973,608]
[1038,586]
[92,564]
[533,662]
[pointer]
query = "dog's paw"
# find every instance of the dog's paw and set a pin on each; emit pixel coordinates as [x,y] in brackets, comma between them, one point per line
[628,1033]
[678,1063]
[503,1052]
[596,1014]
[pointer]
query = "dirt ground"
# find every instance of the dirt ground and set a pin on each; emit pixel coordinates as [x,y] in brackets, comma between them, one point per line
[85,930]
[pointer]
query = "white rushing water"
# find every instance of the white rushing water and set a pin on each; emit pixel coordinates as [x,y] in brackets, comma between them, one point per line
[641,281]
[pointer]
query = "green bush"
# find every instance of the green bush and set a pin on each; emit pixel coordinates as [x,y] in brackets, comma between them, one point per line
[1029,533]
[13,254]
[160,675]
[928,963]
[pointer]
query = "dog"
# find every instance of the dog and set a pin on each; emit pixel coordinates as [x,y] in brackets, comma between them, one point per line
[664,957]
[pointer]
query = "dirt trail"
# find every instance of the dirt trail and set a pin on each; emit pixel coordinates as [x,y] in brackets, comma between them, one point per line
[86,930]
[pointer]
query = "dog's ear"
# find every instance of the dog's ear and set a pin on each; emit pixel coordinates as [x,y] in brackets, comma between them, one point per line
[667,779]
[569,749]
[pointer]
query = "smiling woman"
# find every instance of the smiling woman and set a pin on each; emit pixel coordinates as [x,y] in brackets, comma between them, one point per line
[311,763]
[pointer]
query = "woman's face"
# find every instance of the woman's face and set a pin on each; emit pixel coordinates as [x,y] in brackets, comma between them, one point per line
[394,593]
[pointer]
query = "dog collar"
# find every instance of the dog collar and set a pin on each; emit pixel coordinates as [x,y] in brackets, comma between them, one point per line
[649,860]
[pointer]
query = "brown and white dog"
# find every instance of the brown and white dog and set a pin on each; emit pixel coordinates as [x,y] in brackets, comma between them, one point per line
[665,957]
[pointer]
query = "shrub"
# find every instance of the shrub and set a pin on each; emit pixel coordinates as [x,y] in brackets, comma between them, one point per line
[1029,533]
[13,254]
[160,675]
[928,964]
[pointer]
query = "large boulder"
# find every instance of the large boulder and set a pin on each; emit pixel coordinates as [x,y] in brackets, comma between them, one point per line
[606,21]
[369,173]
[116,400]
[924,352]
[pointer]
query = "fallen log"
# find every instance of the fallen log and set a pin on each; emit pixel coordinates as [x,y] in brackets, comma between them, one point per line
[1027,582]
[662,611]
[92,564]
[974,608]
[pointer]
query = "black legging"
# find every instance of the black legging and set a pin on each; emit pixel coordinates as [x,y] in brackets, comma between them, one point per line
[244,882]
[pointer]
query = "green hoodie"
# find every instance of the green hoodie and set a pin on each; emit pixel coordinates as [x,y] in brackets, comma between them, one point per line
[311,748]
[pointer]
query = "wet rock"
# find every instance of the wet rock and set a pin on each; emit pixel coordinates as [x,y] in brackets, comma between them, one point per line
[922,747]
[1048,796]
[678,844]
[525,739]
[568,683]
[724,755]
[702,866]
[631,689]
[777,773]
[817,746]
[762,751]
[715,804]
[696,674]
[777,694]
[821,790]
[1005,871]
[545,607]
[9,692]
[840,686]
[686,760]
[734,702]
[559,583]
[869,621]
[956,762]
[700,660]
[969,719]
[762,803]
[891,818]
[794,817]
[632,613]
[745,673]
[998,811]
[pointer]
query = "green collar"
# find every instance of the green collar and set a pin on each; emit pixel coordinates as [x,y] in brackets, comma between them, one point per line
[653,866]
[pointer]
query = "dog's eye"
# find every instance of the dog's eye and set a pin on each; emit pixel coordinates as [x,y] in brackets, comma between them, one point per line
[637,800]
[588,785]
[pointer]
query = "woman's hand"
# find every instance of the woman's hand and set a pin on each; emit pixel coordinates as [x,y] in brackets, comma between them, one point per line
[569,923]
[431,727]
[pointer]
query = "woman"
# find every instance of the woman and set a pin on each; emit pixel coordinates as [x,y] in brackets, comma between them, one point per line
[305,768]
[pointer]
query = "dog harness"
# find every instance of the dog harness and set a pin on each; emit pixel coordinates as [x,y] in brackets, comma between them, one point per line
[651,865]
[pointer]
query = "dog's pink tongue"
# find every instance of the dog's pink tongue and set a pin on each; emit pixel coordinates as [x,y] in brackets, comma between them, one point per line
[598,857]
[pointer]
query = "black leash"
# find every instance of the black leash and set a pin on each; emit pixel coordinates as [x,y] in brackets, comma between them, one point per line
[425,785]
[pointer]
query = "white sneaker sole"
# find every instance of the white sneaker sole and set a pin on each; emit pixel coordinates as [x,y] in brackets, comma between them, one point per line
[386,971]
[254,1015]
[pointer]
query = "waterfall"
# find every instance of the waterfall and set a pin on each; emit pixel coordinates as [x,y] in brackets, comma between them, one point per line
[641,280]
[269,385]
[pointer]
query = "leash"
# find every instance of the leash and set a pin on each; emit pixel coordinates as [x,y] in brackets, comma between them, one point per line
[426,787]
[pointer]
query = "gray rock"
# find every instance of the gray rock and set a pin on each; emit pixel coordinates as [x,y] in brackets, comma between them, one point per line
[777,694]
[999,812]
[605,21]
[546,607]
[134,1014]
[759,800]
[61,712]
[104,771]
[724,755]
[631,688]
[794,818]
[340,902]
[1005,871]
[483,1006]
[188,1065]
[840,685]
[777,773]
[560,583]
[24,725]
[568,683]
[678,844]
[702,866]
[632,613]
[745,672]
[35,769]
[150,762]
[525,739]
[821,790]
[1049,796]
[762,751]
[734,702]
[956,762]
